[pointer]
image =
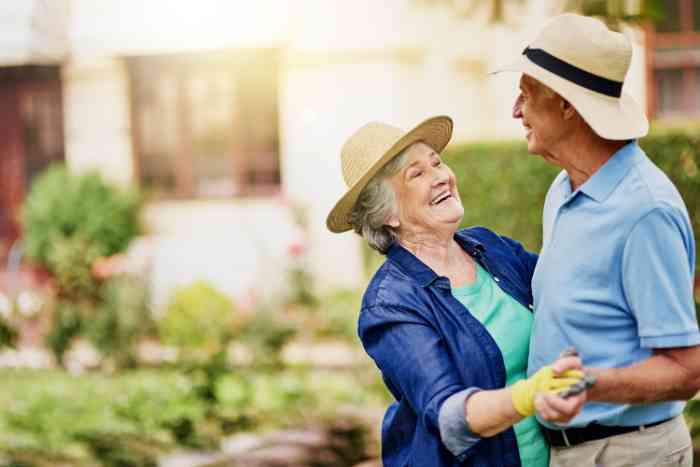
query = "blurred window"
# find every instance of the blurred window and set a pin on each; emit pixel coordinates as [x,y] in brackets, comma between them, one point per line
[674,61]
[206,124]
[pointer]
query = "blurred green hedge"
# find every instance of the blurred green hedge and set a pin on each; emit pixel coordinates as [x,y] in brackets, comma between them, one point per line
[503,187]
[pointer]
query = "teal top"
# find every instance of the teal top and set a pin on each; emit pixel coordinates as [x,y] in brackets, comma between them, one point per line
[510,325]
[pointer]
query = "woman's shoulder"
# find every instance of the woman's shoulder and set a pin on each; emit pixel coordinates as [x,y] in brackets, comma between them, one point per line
[388,285]
[479,235]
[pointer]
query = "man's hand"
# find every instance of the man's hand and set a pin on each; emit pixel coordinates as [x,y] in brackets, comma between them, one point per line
[552,407]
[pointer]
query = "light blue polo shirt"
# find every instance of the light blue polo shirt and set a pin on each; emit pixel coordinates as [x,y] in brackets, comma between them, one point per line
[615,276]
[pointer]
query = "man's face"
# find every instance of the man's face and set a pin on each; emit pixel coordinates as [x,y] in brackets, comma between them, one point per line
[541,115]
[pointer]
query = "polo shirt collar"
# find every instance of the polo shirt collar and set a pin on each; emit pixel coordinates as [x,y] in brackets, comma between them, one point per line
[417,269]
[599,186]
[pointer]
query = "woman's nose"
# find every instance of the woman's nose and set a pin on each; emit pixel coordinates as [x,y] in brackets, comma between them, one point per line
[440,176]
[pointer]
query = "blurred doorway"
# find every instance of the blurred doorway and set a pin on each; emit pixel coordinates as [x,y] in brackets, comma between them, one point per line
[31,137]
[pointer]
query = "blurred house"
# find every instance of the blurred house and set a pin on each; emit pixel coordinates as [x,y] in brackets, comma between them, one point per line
[228,114]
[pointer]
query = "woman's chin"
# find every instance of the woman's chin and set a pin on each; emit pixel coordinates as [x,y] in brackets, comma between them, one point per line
[452,219]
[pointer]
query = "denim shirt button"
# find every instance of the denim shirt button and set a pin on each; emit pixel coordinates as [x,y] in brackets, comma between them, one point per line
[530,306]
[496,279]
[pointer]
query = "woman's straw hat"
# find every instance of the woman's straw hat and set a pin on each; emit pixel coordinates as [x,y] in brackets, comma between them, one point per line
[586,63]
[370,148]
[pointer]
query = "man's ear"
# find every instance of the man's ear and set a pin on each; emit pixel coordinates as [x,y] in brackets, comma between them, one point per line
[567,110]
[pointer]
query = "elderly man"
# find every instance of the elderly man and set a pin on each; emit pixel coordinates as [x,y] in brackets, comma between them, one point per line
[614,277]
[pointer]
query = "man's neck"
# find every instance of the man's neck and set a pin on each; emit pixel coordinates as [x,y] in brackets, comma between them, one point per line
[582,157]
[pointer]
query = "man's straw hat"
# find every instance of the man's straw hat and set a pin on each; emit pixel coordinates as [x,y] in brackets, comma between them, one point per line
[586,63]
[369,149]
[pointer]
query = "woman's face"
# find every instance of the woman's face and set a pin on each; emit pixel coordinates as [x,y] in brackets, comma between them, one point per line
[426,194]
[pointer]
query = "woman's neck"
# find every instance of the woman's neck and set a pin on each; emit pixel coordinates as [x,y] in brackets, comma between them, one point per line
[441,254]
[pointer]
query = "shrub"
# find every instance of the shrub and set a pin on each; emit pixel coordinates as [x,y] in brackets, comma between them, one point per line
[198,319]
[67,324]
[339,311]
[122,316]
[265,333]
[69,221]
[8,334]
[61,205]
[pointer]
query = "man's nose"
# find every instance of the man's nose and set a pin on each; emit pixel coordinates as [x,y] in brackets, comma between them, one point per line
[518,107]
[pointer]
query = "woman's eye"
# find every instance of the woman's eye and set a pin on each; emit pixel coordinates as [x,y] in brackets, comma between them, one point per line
[417,174]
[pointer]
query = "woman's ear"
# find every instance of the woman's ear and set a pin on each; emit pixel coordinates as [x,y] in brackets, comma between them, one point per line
[393,221]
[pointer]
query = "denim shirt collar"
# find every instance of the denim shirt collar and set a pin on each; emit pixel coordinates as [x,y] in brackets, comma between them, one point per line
[417,269]
[599,186]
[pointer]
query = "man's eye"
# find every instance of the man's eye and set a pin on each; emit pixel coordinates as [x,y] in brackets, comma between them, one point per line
[417,174]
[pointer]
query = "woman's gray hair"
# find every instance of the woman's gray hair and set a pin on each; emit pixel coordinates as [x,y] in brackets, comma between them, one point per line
[375,205]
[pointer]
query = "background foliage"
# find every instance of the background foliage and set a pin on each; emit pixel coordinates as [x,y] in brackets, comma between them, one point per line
[68,217]
[128,419]
[69,222]
[198,317]
[503,187]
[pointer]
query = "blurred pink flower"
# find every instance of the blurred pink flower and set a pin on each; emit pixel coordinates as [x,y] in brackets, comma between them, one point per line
[296,249]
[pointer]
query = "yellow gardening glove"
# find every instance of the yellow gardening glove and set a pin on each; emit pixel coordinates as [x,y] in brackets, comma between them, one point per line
[523,392]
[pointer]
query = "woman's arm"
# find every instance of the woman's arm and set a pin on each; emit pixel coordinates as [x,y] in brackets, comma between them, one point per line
[413,356]
[490,412]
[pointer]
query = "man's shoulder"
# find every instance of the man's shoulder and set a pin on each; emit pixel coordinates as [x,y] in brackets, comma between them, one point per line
[647,188]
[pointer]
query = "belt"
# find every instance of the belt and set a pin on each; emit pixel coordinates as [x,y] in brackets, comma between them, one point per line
[592,432]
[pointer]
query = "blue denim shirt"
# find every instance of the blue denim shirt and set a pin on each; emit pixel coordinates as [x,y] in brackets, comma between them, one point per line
[433,353]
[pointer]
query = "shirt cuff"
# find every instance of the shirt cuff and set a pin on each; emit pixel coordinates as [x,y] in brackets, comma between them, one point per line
[454,429]
[671,340]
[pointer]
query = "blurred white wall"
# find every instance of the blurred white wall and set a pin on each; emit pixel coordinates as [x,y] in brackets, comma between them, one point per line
[33,31]
[97,129]
[239,247]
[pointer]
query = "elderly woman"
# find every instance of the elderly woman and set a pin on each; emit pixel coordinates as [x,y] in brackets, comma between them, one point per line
[447,317]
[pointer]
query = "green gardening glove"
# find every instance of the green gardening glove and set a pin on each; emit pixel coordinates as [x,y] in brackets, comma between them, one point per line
[523,392]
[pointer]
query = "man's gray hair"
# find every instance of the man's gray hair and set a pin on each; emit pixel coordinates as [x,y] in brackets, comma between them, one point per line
[374,206]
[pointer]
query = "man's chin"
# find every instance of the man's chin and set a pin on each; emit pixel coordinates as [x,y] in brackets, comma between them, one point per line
[533,149]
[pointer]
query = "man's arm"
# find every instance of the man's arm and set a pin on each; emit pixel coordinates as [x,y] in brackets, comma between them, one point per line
[669,374]
[657,279]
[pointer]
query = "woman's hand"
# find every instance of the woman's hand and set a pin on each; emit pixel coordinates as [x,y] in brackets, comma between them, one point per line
[553,408]
[551,379]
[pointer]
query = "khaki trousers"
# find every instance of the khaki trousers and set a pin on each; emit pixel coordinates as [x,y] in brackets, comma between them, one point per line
[667,444]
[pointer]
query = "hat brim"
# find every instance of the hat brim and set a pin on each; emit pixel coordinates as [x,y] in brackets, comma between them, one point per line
[435,132]
[609,117]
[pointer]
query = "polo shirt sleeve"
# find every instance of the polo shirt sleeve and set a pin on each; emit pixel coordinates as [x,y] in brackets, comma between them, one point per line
[658,263]
[413,357]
